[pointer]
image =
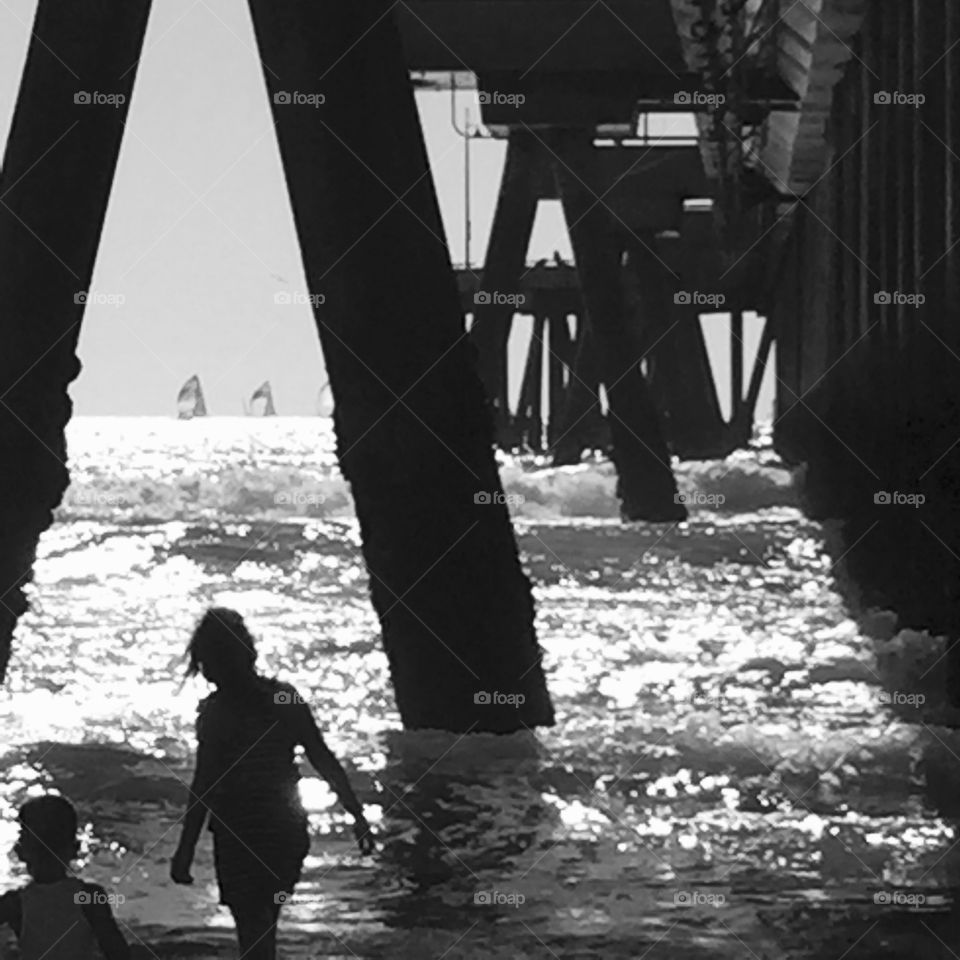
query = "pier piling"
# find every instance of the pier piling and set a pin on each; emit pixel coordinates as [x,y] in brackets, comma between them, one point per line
[647,488]
[58,169]
[413,428]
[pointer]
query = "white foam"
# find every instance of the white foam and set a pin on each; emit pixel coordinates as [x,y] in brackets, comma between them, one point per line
[284,468]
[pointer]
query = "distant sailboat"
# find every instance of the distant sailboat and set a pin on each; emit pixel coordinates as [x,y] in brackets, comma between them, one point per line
[265,393]
[190,402]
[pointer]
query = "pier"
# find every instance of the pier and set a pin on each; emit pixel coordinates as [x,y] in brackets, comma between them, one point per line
[820,192]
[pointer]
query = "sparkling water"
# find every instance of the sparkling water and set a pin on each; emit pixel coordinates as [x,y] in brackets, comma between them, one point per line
[728,774]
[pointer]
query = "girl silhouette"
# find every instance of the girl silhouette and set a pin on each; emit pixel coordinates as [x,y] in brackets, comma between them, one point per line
[246,780]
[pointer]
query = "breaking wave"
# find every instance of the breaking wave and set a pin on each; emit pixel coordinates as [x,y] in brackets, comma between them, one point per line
[286,470]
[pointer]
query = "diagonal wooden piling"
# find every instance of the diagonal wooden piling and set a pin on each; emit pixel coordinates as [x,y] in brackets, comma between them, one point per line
[680,375]
[57,172]
[504,267]
[414,433]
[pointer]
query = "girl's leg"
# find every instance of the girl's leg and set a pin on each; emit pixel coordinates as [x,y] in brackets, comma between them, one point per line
[257,930]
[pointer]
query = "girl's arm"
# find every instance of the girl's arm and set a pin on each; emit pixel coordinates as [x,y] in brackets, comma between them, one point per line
[195,817]
[328,766]
[104,926]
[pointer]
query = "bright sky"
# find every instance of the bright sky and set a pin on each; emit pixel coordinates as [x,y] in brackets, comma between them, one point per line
[199,236]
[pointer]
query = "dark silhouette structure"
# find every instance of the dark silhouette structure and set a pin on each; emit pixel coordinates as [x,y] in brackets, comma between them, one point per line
[57,172]
[819,191]
[868,320]
[414,433]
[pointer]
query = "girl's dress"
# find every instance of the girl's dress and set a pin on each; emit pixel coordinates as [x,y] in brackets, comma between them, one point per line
[259,826]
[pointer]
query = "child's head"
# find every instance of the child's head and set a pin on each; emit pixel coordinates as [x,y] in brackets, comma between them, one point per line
[222,648]
[48,834]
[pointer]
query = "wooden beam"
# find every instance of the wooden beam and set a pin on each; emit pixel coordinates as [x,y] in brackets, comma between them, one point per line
[603,97]
[749,405]
[560,359]
[414,435]
[580,419]
[647,488]
[736,362]
[530,406]
[505,265]
[544,35]
[57,174]
[679,370]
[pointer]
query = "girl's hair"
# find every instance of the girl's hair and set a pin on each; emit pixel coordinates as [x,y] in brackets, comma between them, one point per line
[51,822]
[221,638]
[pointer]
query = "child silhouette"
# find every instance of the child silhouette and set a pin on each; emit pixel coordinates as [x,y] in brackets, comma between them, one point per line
[246,780]
[57,916]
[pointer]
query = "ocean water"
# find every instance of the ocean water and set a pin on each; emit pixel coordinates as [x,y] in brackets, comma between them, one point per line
[738,768]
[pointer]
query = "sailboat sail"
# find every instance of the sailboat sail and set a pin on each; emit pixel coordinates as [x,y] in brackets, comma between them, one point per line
[190,402]
[265,393]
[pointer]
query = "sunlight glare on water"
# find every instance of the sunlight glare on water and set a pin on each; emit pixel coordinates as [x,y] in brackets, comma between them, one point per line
[720,729]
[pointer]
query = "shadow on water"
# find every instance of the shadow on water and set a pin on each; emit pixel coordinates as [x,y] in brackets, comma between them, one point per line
[461,816]
[491,847]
